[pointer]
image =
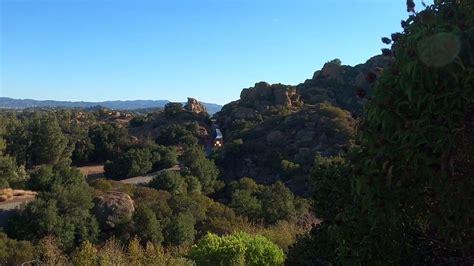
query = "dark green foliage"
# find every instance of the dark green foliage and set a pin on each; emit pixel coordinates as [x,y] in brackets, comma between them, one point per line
[262,203]
[412,184]
[289,169]
[196,163]
[147,227]
[13,252]
[177,134]
[8,171]
[48,144]
[172,109]
[244,198]
[138,121]
[316,248]
[277,203]
[83,151]
[193,184]
[246,203]
[109,141]
[170,181]
[168,157]
[49,178]
[134,162]
[181,230]
[17,138]
[330,186]
[64,213]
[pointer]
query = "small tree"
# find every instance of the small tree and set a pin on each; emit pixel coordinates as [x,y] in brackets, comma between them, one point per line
[85,255]
[172,109]
[112,253]
[181,230]
[196,163]
[170,181]
[135,252]
[147,227]
[277,203]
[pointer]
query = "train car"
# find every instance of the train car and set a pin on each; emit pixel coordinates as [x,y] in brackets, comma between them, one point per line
[218,139]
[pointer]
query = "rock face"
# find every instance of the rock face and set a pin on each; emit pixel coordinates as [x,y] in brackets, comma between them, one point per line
[263,95]
[194,106]
[257,102]
[331,70]
[112,208]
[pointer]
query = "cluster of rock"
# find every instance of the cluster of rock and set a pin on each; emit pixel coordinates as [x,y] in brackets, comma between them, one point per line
[259,100]
[356,75]
[8,194]
[195,106]
[295,122]
[113,208]
[263,95]
[296,137]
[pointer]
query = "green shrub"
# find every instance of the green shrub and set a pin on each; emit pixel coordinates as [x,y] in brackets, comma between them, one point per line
[13,252]
[170,181]
[236,249]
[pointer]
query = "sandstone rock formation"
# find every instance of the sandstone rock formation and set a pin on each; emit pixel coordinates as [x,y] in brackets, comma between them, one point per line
[194,106]
[263,95]
[8,194]
[112,208]
[331,70]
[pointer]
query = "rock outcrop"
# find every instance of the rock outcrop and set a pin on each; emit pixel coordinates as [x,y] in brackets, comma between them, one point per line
[263,95]
[338,84]
[8,194]
[195,106]
[270,124]
[112,208]
[331,70]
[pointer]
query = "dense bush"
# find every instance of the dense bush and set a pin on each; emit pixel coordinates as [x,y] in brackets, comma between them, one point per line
[196,164]
[134,162]
[170,181]
[109,141]
[412,185]
[262,203]
[15,252]
[64,213]
[147,226]
[330,186]
[236,249]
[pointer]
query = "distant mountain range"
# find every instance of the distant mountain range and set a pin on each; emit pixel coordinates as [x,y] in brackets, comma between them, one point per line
[10,103]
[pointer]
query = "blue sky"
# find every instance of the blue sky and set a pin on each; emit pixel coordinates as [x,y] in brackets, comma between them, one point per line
[163,49]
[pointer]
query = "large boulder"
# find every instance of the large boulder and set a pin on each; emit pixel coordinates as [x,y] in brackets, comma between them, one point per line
[195,106]
[113,208]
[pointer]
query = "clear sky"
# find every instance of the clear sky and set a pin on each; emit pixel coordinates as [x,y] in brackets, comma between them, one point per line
[164,49]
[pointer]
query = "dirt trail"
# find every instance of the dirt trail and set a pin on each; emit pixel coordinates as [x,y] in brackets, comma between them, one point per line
[138,180]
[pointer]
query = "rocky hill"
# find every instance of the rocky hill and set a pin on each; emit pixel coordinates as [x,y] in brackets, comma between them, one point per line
[273,129]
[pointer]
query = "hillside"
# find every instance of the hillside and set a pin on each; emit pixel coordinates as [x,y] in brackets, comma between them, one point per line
[273,132]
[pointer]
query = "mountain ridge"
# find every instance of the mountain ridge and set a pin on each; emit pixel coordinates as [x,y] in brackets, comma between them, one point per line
[12,103]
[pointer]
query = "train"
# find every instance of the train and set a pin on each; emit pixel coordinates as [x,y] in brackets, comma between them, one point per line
[218,138]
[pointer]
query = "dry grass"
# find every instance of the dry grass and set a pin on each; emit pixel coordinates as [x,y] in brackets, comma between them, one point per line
[92,171]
